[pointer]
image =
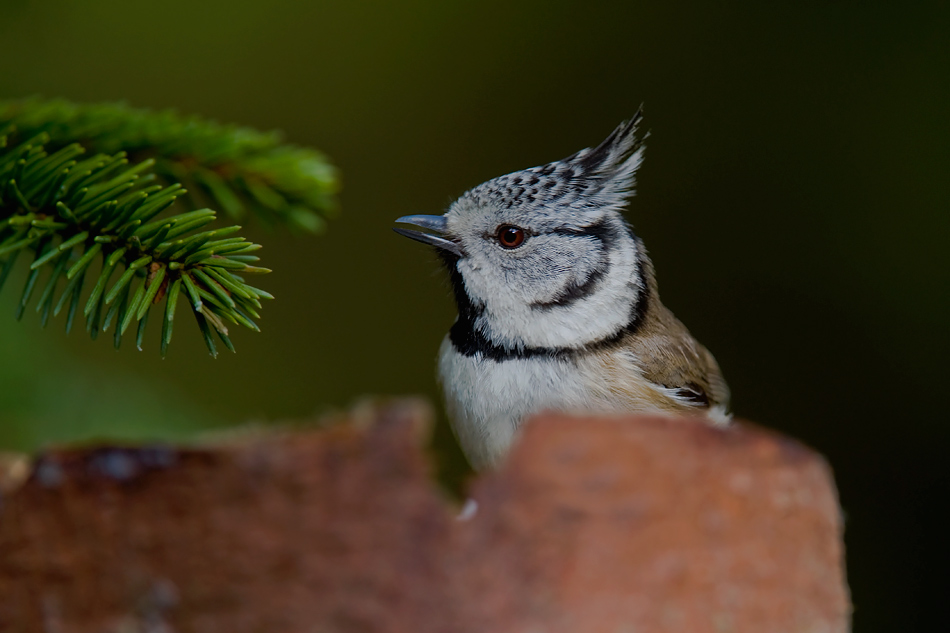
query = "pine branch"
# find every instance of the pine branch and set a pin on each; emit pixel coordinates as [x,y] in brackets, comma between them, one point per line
[236,168]
[67,211]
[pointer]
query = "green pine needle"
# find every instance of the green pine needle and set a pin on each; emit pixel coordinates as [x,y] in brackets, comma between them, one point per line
[82,218]
[236,169]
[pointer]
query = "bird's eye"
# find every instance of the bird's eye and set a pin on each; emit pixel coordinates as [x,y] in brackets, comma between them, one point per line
[510,236]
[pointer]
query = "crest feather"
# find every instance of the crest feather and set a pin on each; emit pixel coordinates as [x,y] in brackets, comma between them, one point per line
[594,178]
[615,161]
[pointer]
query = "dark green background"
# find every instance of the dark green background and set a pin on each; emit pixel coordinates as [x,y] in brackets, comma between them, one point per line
[794,199]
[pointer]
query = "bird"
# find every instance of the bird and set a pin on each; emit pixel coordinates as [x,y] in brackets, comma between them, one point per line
[558,306]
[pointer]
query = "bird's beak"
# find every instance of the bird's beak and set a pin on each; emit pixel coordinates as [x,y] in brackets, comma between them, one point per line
[434,223]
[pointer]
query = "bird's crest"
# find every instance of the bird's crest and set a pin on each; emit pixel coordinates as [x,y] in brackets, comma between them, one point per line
[601,177]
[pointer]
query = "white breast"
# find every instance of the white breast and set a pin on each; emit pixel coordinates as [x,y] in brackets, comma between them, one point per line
[487,400]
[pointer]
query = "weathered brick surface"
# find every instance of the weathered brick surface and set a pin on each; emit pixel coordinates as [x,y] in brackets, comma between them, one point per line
[659,525]
[635,525]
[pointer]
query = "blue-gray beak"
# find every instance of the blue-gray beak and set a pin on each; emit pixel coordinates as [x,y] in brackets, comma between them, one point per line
[434,223]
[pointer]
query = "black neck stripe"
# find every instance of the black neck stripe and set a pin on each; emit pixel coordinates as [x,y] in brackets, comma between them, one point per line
[573,293]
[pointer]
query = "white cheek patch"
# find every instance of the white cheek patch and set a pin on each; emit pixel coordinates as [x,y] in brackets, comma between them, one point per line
[550,271]
[519,314]
[576,284]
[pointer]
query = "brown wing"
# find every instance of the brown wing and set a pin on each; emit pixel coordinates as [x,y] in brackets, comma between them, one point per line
[669,356]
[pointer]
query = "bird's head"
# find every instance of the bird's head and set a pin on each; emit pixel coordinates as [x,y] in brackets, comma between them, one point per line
[543,258]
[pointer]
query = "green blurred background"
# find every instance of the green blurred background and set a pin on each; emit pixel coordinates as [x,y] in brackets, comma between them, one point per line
[794,199]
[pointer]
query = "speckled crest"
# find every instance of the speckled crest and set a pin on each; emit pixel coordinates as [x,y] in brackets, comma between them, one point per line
[599,178]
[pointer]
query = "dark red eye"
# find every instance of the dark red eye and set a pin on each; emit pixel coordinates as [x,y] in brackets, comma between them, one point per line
[510,236]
